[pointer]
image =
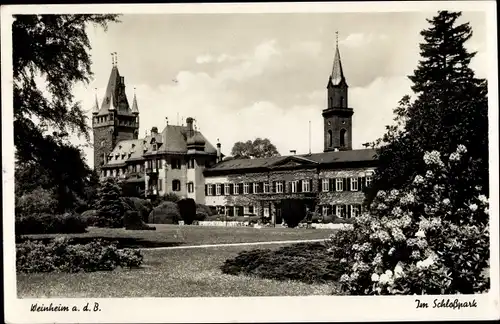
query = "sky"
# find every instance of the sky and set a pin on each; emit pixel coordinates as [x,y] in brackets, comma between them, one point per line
[243,76]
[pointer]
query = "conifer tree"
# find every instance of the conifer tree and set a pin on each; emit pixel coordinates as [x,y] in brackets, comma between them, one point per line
[450,108]
[109,205]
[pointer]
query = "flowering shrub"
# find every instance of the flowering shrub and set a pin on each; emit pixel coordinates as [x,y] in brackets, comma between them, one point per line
[426,239]
[61,256]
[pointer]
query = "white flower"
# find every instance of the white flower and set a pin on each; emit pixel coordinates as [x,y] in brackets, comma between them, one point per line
[381,194]
[418,179]
[344,278]
[388,273]
[461,149]
[486,211]
[391,251]
[397,211]
[420,233]
[398,271]
[429,174]
[384,278]
[483,199]
[473,207]
[433,157]
[478,188]
[454,157]
[375,277]
[378,290]
[419,265]
[394,192]
[446,201]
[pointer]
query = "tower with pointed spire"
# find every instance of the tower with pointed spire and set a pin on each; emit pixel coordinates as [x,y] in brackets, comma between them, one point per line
[337,117]
[113,120]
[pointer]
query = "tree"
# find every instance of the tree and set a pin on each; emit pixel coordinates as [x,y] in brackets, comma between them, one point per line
[109,207]
[259,148]
[450,109]
[52,50]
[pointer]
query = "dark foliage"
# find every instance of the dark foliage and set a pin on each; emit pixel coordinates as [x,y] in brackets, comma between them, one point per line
[293,212]
[133,221]
[450,108]
[259,148]
[306,262]
[187,209]
[204,209]
[142,206]
[50,224]
[61,256]
[90,217]
[109,207]
[56,49]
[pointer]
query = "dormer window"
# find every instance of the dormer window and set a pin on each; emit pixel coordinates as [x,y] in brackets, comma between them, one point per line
[133,145]
[119,147]
[155,147]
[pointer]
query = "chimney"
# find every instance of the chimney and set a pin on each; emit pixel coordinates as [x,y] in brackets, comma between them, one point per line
[189,124]
[219,153]
[154,131]
[293,152]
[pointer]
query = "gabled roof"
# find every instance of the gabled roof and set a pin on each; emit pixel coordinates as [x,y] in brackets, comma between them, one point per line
[122,150]
[305,160]
[135,108]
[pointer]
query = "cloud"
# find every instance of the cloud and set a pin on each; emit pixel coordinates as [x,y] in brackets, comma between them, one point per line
[362,39]
[204,58]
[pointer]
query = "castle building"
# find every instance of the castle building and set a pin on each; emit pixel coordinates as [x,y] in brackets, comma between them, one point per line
[181,160]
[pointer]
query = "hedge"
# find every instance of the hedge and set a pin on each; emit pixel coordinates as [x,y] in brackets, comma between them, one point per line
[50,224]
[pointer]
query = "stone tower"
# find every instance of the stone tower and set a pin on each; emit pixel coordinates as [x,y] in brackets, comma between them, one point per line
[337,117]
[114,120]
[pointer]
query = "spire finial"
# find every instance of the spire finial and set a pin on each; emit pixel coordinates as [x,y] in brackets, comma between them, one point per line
[337,38]
[112,59]
[116,58]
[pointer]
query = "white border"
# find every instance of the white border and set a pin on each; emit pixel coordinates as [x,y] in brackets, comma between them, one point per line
[242,309]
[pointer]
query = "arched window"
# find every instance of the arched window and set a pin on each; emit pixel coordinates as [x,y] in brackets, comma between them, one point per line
[330,138]
[342,137]
[341,101]
[331,102]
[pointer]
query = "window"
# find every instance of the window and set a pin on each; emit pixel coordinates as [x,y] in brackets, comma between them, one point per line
[176,185]
[160,184]
[342,137]
[339,184]
[266,211]
[369,179]
[159,163]
[217,189]
[306,186]
[338,211]
[155,147]
[354,184]
[251,209]
[190,164]
[226,189]
[236,188]
[176,164]
[325,210]
[246,187]
[330,138]
[266,187]
[279,187]
[209,190]
[325,185]
[246,210]
[355,210]
[256,187]
[341,101]
[190,187]
[294,185]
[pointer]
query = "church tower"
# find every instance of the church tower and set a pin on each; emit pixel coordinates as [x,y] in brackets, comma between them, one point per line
[114,120]
[337,117]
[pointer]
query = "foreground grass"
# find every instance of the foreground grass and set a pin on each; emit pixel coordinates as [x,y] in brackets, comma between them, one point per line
[166,273]
[174,235]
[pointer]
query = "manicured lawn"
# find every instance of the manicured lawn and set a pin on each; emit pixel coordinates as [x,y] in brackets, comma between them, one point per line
[174,235]
[172,273]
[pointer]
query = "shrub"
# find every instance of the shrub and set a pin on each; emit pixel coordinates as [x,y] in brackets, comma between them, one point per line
[426,239]
[292,210]
[50,224]
[90,217]
[133,221]
[201,216]
[38,201]
[61,256]
[212,218]
[306,262]
[204,209]
[187,208]
[142,206]
[171,197]
[167,213]
[109,205]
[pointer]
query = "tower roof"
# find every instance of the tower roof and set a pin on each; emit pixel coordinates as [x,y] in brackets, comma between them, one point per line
[135,109]
[337,75]
[95,109]
[115,97]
